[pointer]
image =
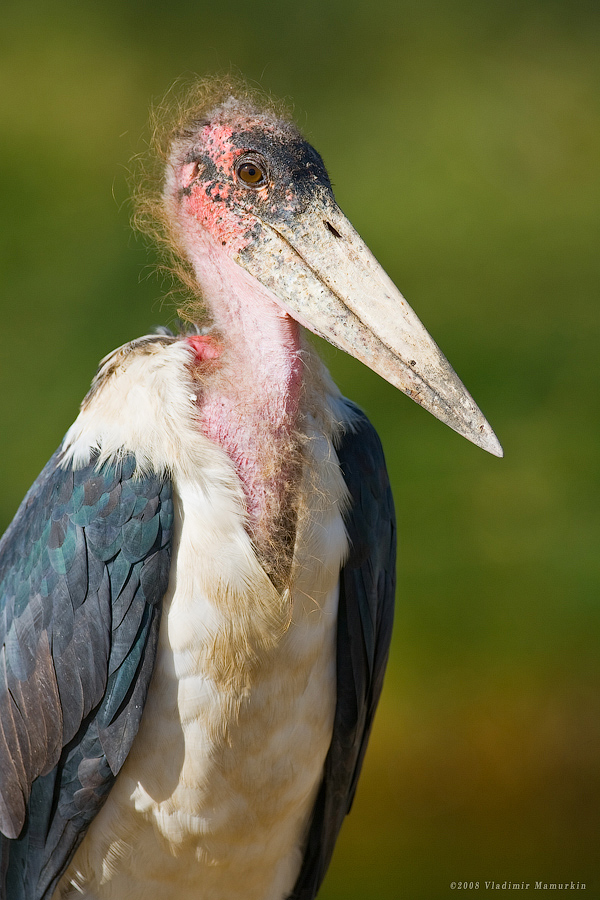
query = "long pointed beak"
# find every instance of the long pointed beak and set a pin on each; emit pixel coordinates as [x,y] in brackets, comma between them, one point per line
[325,277]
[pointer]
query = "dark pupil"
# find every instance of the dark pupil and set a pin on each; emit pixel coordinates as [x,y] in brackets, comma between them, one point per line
[250,173]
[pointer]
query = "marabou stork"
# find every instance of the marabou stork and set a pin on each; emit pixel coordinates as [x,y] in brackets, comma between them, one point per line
[197,591]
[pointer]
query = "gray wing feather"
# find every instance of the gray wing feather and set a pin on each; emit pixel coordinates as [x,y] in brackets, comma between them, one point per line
[365,616]
[83,568]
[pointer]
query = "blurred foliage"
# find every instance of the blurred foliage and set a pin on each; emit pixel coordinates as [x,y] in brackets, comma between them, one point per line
[463,140]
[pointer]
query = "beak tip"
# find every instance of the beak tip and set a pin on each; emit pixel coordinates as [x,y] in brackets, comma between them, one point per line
[496,448]
[488,441]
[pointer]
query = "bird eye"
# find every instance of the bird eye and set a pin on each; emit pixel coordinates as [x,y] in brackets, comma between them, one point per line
[251,173]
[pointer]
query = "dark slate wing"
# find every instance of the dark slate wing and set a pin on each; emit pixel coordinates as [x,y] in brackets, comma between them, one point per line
[366,610]
[83,569]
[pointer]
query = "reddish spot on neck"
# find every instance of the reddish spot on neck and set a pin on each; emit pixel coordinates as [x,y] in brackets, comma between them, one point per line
[204,346]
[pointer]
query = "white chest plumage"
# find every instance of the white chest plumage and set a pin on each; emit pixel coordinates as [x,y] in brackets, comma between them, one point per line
[214,799]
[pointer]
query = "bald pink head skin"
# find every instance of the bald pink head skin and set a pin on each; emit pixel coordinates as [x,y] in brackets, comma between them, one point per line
[210,197]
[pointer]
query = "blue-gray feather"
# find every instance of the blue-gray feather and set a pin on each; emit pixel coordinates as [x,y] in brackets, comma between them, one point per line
[83,568]
[364,628]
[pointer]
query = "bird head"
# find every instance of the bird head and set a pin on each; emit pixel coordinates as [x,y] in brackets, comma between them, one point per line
[242,184]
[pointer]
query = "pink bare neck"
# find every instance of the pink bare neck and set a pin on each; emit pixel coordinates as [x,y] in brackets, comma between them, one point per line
[250,400]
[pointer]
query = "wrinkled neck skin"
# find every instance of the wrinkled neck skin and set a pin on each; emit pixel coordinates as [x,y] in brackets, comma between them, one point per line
[250,403]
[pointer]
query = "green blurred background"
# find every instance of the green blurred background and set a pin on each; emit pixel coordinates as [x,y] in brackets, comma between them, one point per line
[463,140]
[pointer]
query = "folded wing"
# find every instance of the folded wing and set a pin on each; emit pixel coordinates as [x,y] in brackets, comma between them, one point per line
[83,569]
